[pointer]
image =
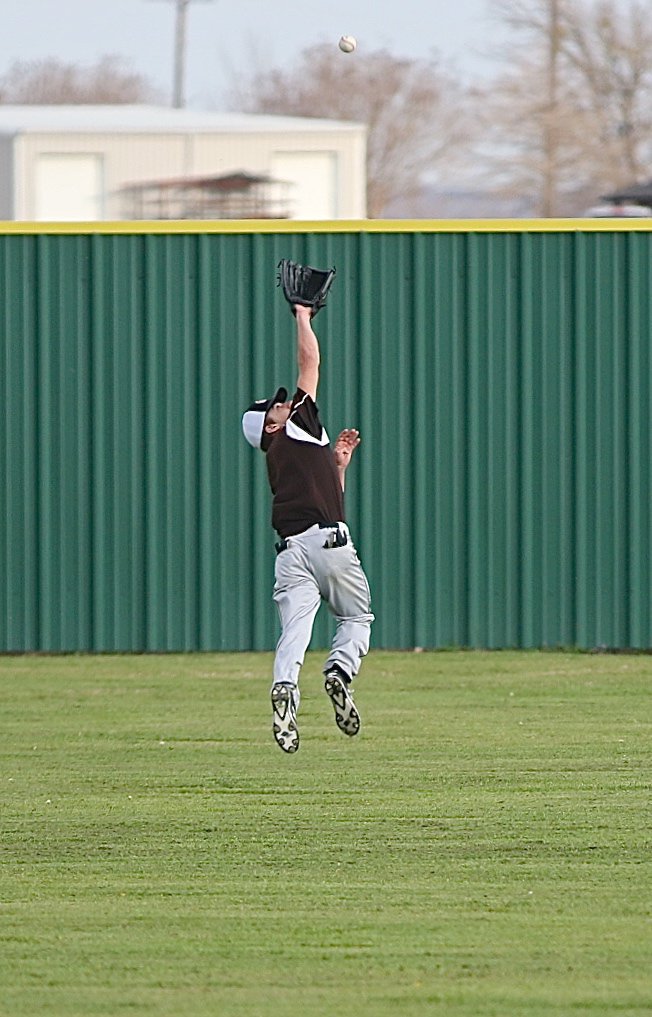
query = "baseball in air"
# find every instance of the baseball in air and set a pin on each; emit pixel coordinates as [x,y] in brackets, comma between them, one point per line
[347,44]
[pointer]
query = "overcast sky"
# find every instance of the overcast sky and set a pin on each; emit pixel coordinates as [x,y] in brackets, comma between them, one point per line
[225,34]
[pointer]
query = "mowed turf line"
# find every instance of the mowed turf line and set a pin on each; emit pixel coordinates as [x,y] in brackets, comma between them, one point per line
[482,848]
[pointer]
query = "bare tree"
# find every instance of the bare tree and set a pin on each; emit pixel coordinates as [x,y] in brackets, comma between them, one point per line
[610,50]
[413,109]
[568,116]
[524,146]
[526,131]
[51,82]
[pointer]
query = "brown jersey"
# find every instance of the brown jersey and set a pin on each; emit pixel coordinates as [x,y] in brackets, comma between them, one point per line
[302,473]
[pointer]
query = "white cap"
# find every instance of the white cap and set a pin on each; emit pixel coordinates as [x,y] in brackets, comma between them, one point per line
[253,419]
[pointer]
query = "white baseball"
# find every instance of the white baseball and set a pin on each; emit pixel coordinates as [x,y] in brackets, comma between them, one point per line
[347,44]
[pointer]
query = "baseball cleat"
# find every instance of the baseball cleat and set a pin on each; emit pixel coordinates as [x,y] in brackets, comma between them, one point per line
[347,717]
[284,713]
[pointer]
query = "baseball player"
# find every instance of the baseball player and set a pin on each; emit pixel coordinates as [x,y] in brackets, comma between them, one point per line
[316,559]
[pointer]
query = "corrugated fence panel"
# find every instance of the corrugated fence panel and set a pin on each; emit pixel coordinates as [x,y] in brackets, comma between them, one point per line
[64,443]
[19,521]
[500,378]
[118,441]
[638,395]
[600,436]
[545,442]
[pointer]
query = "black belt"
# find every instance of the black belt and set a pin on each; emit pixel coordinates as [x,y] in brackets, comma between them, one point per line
[338,539]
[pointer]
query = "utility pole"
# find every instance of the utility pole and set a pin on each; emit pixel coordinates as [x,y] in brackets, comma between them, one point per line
[551,130]
[178,87]
[179,71]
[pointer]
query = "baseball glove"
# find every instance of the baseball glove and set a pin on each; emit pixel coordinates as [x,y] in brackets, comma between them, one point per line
[304,285]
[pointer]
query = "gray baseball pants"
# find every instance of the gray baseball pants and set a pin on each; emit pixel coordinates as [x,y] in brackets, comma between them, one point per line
[307,573]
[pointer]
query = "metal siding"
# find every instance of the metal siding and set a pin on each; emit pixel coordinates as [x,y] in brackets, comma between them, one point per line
[600,429]
[545,442]
[639,430]
[19,548]
[6,176]
[118,467]
[63,435]
[500,380]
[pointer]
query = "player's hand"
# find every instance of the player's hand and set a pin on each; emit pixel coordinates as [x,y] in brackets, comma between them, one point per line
[347,441]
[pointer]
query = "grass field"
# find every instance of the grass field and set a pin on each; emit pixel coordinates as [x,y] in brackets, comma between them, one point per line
[483,847]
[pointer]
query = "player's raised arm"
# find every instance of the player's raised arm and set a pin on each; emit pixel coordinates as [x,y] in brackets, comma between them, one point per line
[305,288]
[307,352]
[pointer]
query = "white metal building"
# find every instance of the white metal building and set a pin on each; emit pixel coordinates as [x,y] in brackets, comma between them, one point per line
[85,163]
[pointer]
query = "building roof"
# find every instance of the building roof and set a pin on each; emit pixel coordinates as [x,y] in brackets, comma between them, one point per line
[143,119]
[224,182]
[639,193]
[228,196]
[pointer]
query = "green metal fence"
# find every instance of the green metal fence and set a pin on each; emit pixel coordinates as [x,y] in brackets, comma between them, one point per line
[500,375]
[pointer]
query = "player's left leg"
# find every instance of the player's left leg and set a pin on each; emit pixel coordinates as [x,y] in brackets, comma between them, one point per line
[344,586]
